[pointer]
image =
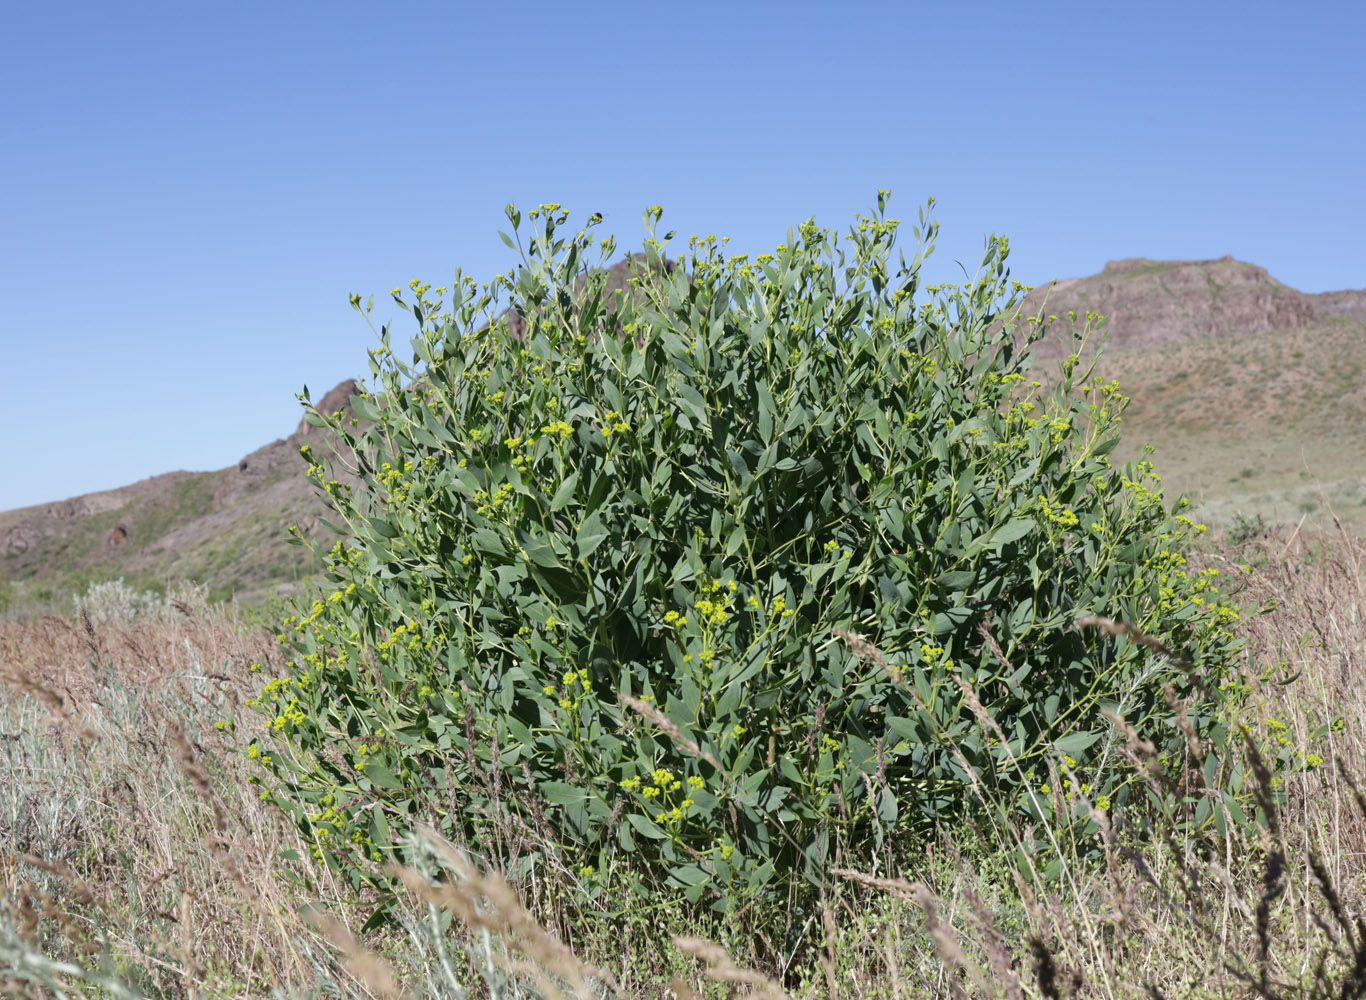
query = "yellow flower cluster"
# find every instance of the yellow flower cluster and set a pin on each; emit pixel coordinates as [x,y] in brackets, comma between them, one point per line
[569,700]
[1172,577]
[396,638]
[520,461]
[712,612]
[290,714]
[491,504]
[661,784]
[391,476]
[366,749]
[337,596]
[1057,513]
[1280,732]
[613,424]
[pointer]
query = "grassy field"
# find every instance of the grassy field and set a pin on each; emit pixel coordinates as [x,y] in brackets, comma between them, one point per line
[138,859]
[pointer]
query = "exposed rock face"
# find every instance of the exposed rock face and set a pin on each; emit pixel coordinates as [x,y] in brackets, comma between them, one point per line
[338,398]
[21,530]
[1350,303]
[1154,302]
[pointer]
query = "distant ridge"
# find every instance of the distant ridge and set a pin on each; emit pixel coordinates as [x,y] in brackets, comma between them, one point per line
[1153,302]
[1251,393]
[1351,304]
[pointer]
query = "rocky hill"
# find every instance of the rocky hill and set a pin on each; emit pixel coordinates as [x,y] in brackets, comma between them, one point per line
[226,529]
[1351,304]
[1252,393]
[1149,303]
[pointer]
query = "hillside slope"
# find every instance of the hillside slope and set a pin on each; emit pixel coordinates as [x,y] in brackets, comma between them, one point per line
[1253,394]
[227,529]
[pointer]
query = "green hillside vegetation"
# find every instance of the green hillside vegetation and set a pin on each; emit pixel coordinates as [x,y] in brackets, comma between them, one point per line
[157,540]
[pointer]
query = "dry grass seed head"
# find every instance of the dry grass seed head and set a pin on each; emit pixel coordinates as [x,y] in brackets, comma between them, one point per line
[369,969]
[667,726]
[721,968]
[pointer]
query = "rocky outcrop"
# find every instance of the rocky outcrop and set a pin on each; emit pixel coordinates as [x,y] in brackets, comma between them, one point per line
[280,459]
[23,529]
[1350,303]
[335,400]
[1149,303]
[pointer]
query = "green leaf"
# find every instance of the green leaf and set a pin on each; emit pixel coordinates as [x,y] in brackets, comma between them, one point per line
[692,403]
[592,533]
[690,874]
[1012,531]
[956,579]
[767,408]
[645,827]
[565,493]
[559,793]
[908,729]
[887,806]
[1075,743]
[543,556]
[381,775]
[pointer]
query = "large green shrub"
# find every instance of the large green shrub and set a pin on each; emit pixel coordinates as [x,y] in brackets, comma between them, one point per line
[597,560]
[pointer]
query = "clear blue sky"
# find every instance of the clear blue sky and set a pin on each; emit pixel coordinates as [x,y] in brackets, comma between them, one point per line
[192,190]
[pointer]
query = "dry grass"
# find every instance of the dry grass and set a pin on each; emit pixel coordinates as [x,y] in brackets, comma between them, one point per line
[126,811]
[138,860]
